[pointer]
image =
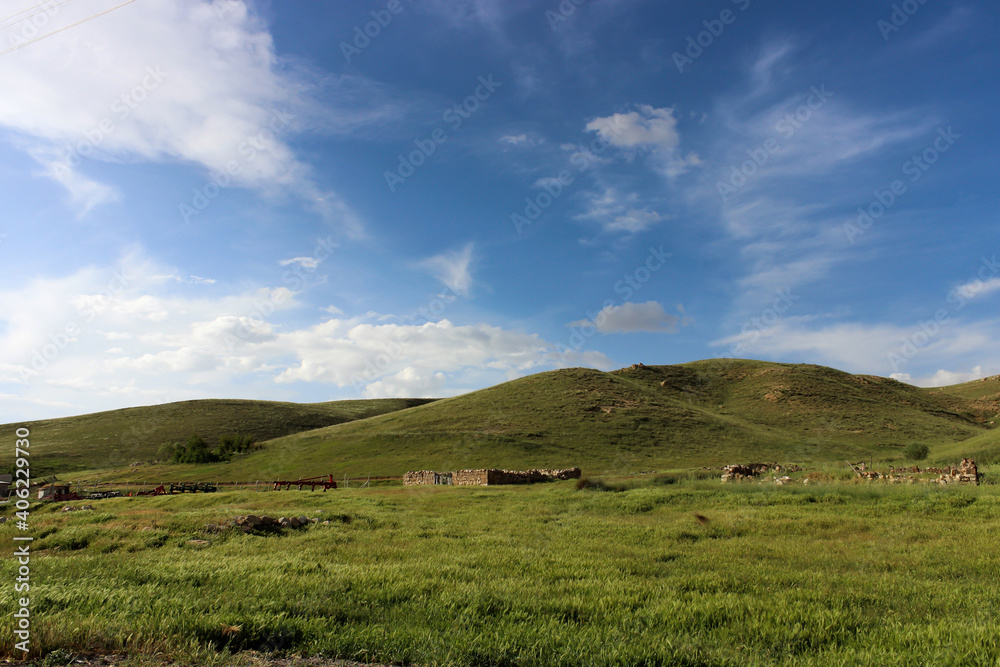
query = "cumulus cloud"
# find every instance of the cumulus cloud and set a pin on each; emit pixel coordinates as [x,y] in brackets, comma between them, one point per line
[631,317]
[648,127]
[105,338]
[452,268]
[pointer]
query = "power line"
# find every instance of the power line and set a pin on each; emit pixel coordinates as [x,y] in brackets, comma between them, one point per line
[32,15]
[71,25]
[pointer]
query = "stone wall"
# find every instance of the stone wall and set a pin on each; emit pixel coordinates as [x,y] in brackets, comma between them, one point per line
[426,477]
[489,476]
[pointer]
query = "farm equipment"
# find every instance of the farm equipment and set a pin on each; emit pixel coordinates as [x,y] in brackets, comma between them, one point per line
[193,487]
[58,493]
[101,495]
[325,481]
[158,491]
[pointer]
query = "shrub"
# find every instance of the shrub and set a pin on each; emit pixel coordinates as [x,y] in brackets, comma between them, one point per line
[917,451]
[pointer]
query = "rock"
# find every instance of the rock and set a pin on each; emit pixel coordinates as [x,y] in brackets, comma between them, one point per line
[252,520]
[198,543]
[3,519]
[283,521]
[326,523]
[303,521]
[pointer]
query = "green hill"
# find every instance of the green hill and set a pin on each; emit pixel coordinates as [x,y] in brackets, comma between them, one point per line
[705,413]
[119,437]
[643,418]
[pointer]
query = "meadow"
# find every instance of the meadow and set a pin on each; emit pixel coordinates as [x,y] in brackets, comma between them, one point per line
[665,570]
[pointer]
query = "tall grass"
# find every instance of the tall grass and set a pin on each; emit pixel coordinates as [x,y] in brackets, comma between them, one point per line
[547,575]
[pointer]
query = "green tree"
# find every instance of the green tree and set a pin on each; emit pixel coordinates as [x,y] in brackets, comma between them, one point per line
[917,451]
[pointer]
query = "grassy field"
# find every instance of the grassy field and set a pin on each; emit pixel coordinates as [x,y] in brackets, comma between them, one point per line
[670,570]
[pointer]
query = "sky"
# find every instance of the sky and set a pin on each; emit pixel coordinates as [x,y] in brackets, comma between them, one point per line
[313,201]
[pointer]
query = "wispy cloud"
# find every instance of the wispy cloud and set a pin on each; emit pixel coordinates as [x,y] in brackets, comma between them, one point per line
[453,268]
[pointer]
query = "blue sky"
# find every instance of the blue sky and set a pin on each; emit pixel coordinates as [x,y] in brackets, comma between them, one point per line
[316,201]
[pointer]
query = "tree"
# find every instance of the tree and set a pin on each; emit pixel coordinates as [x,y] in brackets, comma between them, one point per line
[917,451]
[166,452]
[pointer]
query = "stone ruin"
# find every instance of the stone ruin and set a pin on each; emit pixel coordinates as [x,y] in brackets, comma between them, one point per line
[964,473]
[742,471]
[488,476]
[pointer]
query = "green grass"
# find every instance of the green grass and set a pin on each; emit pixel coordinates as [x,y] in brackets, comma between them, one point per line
[545,575]
[120,437]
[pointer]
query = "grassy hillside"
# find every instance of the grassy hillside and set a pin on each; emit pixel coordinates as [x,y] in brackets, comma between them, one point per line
[119,437]
[705,413]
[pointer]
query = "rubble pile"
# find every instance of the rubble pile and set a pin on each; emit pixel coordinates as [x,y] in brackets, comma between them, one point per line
[965,473]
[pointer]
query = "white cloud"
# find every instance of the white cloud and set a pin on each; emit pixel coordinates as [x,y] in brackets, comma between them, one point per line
[515,139]
[944,378]
[160,80]
[649,127]
[633,221]
[452,269]
[877,348]
[978,288]
[616,212]
[407,383]
[56,357]
[304,262]
[631,317]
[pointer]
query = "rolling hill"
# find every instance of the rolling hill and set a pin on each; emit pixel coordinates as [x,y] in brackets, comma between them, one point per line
[642,418]
[119,437]
[705,413]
